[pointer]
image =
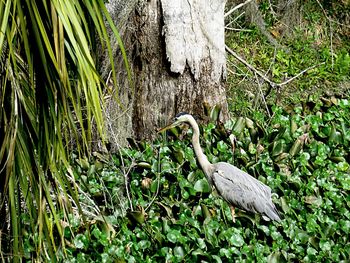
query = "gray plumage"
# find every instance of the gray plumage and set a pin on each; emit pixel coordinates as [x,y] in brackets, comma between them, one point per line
[244,191]
[234,185]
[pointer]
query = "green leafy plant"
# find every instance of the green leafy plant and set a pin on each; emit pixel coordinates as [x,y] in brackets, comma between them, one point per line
[301,154]
[50,95]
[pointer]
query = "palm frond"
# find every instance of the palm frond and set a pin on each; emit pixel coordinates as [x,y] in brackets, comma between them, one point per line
[50,94]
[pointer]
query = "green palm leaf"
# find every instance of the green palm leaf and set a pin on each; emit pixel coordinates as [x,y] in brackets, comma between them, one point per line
[50,95]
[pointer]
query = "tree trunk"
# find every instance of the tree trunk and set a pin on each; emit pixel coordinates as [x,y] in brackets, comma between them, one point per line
[176,51]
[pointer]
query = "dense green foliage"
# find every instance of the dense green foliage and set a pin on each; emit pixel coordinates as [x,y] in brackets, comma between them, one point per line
[319,42]
[301,153]
[50,96]
[51,93]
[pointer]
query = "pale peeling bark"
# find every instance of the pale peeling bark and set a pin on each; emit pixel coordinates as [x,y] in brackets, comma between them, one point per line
[177,55]
[194,30]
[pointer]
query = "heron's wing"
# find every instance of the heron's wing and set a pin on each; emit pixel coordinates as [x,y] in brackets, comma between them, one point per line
[242,190]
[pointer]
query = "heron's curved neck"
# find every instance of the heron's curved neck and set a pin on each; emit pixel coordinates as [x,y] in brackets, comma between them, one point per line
[203,160]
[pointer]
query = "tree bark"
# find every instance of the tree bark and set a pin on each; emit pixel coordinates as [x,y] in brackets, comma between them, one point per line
[177,55]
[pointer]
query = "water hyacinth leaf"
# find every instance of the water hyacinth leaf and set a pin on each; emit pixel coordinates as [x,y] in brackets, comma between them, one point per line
[293,126]
[325,131]
[144,244]
[202,186]
[236,240]
[314,242]
[179,252]
[325,245]
[185,194]
[281,157]
[173,236]
[280,133]
[239,126]
[166,166]
[201,243]
[296,147]
[214,113]
[274,257]
[253,134]
[344,103]
[80,241]
[222,146]
[302,236]
[313,200]
[198,252]
[343,166]
[284,205]
[144,165]
[91,170]
[335,137]
[225,252]
[346,183]
[252,148]
[205,211]
[328,116]
[137,216]
[249,123]
[217,258]
[337,159]
[277,147]
[298,144]
[179,155]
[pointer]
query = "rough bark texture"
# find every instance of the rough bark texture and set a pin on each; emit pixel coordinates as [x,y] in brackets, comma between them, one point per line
[177,55]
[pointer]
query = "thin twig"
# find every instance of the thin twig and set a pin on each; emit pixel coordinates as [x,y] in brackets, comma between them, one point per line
[238,29]
[262,96]
[330,20]
[158,182]
[126,178]
[249,66]
[237,7]
[272,83]
[70,176]
[1,253]
[300,73]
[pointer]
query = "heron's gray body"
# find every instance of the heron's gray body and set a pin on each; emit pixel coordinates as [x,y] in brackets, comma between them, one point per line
[244,191]
[234,185]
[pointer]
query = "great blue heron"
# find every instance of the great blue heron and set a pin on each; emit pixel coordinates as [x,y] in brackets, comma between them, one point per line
[234,185]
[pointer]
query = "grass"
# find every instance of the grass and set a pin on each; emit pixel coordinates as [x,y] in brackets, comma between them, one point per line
[315,42]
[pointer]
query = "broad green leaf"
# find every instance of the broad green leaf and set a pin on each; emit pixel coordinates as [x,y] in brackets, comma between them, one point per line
[237,240]
[202,186]
[80,241]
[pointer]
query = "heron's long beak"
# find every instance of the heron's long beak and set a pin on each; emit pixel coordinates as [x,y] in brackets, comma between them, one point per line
[168,127]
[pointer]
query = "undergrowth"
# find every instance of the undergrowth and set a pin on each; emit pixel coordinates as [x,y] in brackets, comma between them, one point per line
[319,45]
[301,153]
[150,202]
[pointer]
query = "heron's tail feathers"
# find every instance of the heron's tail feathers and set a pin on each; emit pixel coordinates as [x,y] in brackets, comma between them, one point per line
[272,213]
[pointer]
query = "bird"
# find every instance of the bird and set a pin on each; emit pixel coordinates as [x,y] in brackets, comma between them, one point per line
[236,187]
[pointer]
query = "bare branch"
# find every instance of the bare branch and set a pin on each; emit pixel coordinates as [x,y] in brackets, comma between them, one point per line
[262,95]
[272,83]
[300,73]
[237,7]
[249,66]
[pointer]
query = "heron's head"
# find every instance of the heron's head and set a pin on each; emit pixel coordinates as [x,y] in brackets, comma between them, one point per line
[179,118]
